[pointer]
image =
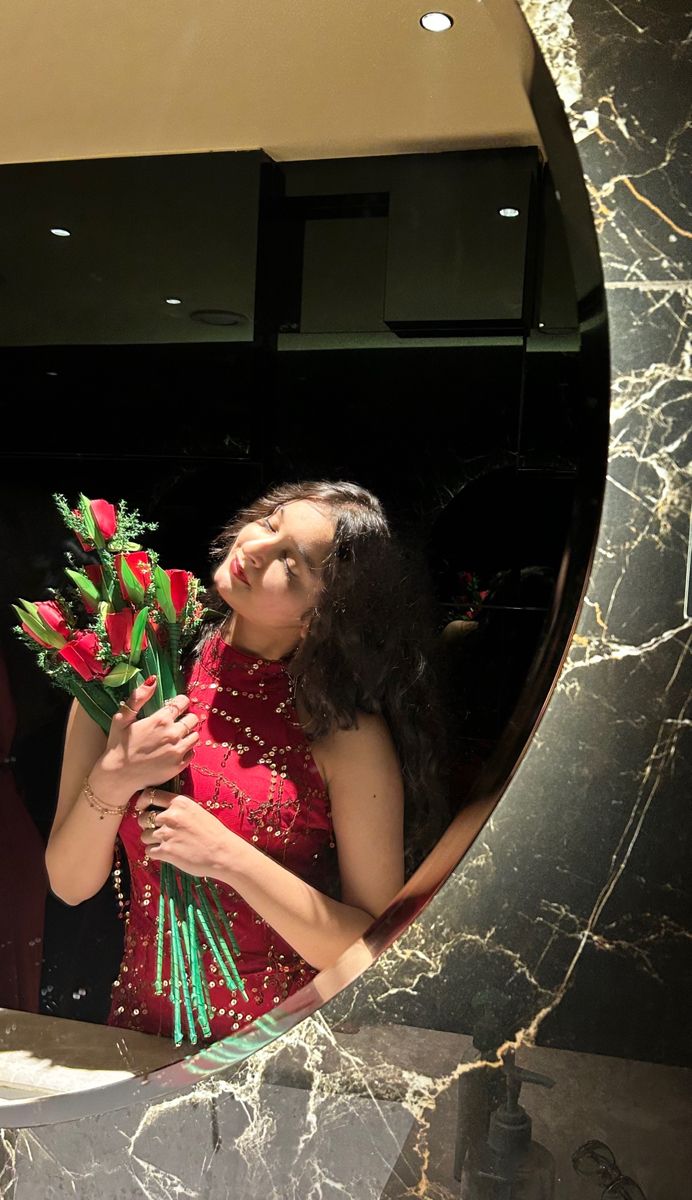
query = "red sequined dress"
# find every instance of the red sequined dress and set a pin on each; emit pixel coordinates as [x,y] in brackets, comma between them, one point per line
[253,768]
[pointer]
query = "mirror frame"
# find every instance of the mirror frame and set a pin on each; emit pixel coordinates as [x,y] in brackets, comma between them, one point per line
[496,777]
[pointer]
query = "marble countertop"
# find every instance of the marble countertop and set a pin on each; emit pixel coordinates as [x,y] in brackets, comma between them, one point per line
[58,1055]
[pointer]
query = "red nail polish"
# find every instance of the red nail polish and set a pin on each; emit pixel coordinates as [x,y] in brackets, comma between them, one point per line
[149,680]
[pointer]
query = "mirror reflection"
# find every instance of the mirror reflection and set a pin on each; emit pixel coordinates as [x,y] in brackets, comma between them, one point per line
[347,389]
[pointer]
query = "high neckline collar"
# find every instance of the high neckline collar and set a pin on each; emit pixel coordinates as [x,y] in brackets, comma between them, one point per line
[252,664]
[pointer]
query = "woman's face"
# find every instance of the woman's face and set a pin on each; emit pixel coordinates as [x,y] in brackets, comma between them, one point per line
[280,559]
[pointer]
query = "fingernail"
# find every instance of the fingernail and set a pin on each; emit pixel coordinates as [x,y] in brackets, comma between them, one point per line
[149,681]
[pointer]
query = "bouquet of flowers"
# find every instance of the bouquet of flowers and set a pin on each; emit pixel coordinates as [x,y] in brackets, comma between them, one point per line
[123,616]
[470,596]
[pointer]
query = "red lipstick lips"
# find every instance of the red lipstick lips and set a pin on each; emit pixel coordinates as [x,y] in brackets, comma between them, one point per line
[239,572]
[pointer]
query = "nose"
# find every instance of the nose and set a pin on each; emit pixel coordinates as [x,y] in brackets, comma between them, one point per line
[255,550]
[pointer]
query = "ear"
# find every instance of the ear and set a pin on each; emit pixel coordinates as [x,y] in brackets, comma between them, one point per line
[306,622]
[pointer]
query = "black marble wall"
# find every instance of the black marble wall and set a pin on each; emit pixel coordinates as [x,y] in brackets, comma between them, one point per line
[574,904]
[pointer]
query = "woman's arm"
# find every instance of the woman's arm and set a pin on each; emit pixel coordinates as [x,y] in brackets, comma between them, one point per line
[367,801]
[79,853]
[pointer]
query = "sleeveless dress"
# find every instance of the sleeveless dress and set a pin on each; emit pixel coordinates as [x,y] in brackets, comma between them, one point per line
[253,768]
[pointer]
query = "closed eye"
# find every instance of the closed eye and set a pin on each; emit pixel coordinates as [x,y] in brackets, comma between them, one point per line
[291,574]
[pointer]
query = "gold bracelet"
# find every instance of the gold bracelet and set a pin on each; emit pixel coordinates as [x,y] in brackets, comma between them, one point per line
[100,807]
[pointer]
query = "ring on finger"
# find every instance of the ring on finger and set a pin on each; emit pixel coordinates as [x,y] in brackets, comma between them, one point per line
[124,704]
[151,823]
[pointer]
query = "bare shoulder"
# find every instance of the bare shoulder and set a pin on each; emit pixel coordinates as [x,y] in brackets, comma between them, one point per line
[369,739]
[367,743]
[361,770]
[370,729]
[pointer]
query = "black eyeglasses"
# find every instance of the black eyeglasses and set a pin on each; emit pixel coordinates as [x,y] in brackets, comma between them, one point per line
[597,1160]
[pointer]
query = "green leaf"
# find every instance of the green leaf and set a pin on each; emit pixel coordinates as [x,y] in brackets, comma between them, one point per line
[138,630]
[92,707]
[84,583]
[167,680]
[89,521]
[150,659]
[30,608]
[162,587]
[134,588]
[122,673]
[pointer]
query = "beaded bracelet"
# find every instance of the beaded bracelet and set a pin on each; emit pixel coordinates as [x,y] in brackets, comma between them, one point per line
[100,807]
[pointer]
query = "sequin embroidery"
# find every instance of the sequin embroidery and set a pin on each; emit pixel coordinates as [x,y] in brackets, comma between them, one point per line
[253,768]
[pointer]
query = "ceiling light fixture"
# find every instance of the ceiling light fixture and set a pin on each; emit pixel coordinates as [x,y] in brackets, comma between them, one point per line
[436,22]
[509,212]
[61,232]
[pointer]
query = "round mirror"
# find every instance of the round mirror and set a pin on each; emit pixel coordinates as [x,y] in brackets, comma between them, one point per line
[243,256]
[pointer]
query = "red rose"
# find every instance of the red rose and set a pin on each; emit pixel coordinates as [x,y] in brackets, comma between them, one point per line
[119,629]
[138,562]
[52,614]
[105,518]
[80,653]
[95,573]
[105,521]
[180,588]
[49,614]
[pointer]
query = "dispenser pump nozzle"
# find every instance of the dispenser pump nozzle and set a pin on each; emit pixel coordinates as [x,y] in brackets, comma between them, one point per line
[510,1124]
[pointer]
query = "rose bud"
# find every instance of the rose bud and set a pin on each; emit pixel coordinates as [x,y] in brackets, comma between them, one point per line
[119,629]
[45,622]
[104,517]
[80,653]
[172,588]
[136,561]
[99,519]
[180,588]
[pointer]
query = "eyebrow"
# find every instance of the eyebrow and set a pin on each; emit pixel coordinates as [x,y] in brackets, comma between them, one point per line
[299,547]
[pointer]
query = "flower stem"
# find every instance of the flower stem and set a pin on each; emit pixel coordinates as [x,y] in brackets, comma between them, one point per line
[208,921]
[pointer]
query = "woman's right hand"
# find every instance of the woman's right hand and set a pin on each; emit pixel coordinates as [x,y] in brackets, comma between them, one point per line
[151,750]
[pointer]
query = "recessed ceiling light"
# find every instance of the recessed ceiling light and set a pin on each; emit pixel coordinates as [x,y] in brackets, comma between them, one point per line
[436,22]
[173,300]
[61,232]
[509,212]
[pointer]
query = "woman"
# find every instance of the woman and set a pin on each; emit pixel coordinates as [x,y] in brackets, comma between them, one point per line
[306,735]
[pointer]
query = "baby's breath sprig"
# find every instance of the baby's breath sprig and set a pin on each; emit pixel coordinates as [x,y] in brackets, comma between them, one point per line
[130,526]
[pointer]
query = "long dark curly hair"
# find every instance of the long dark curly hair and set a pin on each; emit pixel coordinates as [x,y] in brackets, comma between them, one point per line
[369,645]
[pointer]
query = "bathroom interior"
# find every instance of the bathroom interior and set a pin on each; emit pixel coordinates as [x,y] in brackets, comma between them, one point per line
[367,251]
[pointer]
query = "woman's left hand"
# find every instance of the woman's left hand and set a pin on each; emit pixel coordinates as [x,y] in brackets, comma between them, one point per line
[187,835]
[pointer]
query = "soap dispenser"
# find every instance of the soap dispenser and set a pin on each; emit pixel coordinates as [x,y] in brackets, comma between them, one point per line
[481,1089]
[510,1166]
